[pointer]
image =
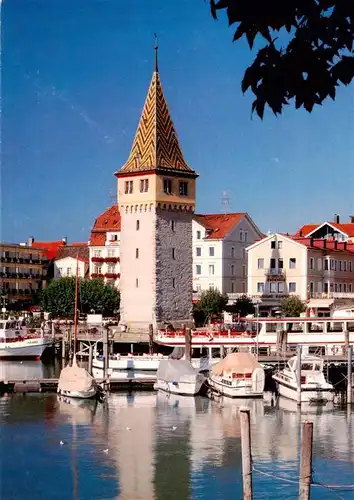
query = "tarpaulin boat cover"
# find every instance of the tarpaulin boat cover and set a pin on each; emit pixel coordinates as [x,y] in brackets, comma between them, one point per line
[73,378]
[173,370]
[236,362]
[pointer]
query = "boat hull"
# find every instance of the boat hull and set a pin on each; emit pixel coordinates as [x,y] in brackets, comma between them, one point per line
[79,394]
[32,348]
[308,394]
[139,363]
[180,388]
[242,391]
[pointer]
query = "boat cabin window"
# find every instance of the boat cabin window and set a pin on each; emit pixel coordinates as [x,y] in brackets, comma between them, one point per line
[307,366]
[317,367]
[2,326]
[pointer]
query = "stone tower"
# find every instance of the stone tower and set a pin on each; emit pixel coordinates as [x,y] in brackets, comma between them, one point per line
[156,195]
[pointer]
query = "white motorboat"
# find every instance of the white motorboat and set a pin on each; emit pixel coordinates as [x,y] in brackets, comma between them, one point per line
[178,377]
[239,375]
[17,342]
[314,387]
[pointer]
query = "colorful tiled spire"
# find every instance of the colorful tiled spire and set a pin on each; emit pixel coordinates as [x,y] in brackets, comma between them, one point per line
[156,143]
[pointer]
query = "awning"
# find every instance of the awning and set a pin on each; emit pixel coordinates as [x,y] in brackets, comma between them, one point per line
[320,303]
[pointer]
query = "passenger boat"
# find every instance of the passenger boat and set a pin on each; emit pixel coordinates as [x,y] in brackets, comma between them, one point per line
[314,387]
[327,333]
[17,342]
[178,376]
[239,375]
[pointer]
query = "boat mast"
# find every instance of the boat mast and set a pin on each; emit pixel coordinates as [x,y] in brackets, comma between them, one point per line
[76,301]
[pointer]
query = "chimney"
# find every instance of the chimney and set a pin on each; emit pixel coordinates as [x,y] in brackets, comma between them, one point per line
[351,218]
[335,244]
[30,241]
[336,218]
[300,233]
[64,240]
[344,245]
[324,243]
[311,241]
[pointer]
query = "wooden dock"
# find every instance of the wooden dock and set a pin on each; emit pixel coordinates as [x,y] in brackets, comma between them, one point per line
[51,385]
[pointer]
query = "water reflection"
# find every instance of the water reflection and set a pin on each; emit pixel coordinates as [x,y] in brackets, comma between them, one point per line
[158,446]
[28,369]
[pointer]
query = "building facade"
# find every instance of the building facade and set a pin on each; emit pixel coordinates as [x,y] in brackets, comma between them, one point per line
[319,271]
[156,193]
[104,247]
[219,251]
[69,259]
[23,271]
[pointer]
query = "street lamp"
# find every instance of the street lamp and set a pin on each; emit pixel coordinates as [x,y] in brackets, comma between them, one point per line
[256,303]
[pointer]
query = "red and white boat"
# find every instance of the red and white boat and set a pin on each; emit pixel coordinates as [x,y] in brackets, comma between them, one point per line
[330,333]
[16,342]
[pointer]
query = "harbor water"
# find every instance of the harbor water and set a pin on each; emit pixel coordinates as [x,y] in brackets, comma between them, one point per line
[157,446]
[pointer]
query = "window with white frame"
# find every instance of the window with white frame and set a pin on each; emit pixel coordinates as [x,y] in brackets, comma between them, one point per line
[183,188]
[292,263]
[319,263]
[311,263]
[292,287]
[198,269]
[199,235]
[128,187]
[167,186]
[280,244]
[260,263]
[211,251]
[260,287]
[273,287]
[211,269]
[281,287]
[246,236]
[198,251]
[68,271]
[97,253]
[111,252]
[273,244]
[144,185]
[97,269]
[111,268]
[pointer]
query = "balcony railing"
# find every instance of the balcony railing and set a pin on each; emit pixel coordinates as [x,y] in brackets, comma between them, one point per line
[97,259]
[332,295]
[275,274]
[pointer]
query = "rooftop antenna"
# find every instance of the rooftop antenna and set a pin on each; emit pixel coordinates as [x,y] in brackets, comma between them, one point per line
[156,48]
[225,201]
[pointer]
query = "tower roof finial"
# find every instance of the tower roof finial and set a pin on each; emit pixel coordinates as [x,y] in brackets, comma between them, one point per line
[156,48]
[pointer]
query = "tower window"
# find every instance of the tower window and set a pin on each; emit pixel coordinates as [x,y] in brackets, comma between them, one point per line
[137,253]
[137,225]
[144,185]
[137,282]
[174,282]
[128,187]
[173,225]
[173,253]
[167,186]
[183,188]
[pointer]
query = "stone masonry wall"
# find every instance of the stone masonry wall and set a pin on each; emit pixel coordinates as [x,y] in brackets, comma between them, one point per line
[174,271]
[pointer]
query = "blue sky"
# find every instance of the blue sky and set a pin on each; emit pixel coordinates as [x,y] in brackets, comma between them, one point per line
[74,79]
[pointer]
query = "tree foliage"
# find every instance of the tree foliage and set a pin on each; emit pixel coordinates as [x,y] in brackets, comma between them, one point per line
[58,297]
[212,302]
[292,306]
[242,306]
[307,52]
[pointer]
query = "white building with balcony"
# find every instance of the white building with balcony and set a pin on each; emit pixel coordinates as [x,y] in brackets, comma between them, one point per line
[319,271]
[104,247]
[219,251]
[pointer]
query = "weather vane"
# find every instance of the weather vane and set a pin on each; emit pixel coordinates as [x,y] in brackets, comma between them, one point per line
[156,47]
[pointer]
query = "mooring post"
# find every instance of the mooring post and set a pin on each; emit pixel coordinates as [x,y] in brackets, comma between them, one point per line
[298,374]
[188,343]
[90,361]
[63,348]
[349,375]
[105,352]
[306,461]
[151,339]
[346,339]
[246,453]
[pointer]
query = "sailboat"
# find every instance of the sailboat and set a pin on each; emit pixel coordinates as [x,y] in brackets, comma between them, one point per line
[75,381]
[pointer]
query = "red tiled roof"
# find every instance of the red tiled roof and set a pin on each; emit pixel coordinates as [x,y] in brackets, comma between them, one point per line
[109,220]
[219,225]
[74,251]
[325,244]
[79,244]
[50,247]
[347,228]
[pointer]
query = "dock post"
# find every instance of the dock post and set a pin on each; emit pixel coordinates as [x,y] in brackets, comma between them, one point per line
[346,340]
[349,375]
[105,351]
[306,461]
[188,345]
[151,339]
[298,374]
[90,361]
[246,453]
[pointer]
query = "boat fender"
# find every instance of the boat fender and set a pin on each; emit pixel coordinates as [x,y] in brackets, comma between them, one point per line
[334,349]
